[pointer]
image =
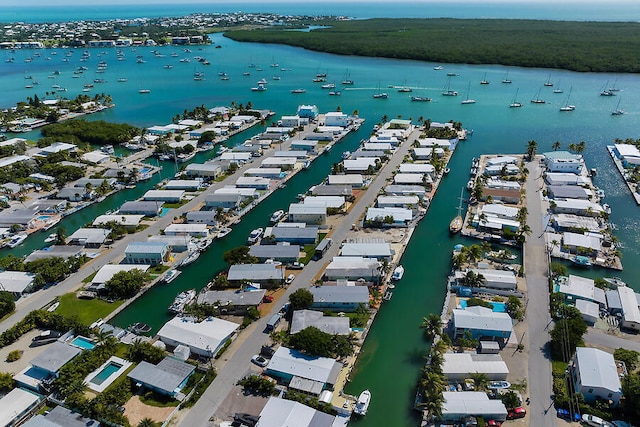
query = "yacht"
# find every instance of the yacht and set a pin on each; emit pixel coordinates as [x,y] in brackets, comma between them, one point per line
[17,240]
[382,95]
[537,99]
[181,300]
[363,403]
[259,88]
[51,238]
[122,79]
[190,258]
[420,99]
[171,276]
[298,90]
[223,232]
[328,86]
[254,236]
[144,91]
[107,149]
[468,100]
[456,223]
[346,155]
[484,80]
[397,273]
[447,91]
[438,67]
[277,216]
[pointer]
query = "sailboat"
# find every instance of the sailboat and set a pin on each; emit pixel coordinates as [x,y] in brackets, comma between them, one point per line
[380,95]
[446,91]
[347,80]
[548,82]
[614,88]
[606,92]
[484,80]
[617,111]
[514,102]
[456,223]
[567,106]
[557,89]
[468,100]
[537,99]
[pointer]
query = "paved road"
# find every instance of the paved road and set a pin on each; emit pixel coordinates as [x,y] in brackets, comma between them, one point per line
[39,299]
[540,410]
[250,344]
[611,341]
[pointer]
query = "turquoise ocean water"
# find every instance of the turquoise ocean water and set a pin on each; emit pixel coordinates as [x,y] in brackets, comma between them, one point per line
[392,355]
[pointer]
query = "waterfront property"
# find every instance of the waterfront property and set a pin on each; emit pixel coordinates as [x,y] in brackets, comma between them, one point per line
[16,282]
[60,416]
[204,338]
[309,374]
[45,366]
[128,221]
[278,252]
[233,302]
[563,161]
[459,405]
[353,268]
[88,237]
[595,374]
[167,377]
[376,250]
[255,273]
[148,253]
[16,405]
[106,374]
[107,272]
[207,217]
[340,298]
[303,319]
[577,287]
[169,196]
[192,230]
[55,251]
[145,208]
[308,214]
[295,235]
[225,201]
[482,323]
[278,412]
[460,366]
[630,310]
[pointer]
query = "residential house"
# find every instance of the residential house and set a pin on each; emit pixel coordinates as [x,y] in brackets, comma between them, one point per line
[379,250]
[332,325]
[207,217]
[130,222]
[17,404]
[192,230]
[183,184]
[169,196]
[300,235]
[457,367]
[481,323]
[284,253]
[282,412]
[362,165]
[204,338]
[354,180]
[628,154]
[254,182]
[307,111]
[404,190]
[308,214]
[310,146]
[409,202]
[46,365]
[141,208]
[577,207]
[88,237]
[353,268]
[503,191]
[16,282]
[233,302]
[292,366]
[568,192]
[399,217]
[565,178]
[263,274]
[411,179]
[148,253]
[167,378]
[459,405]
[595,375]
[271,173]
[283,163]
[226,201]
[336,118]
[584,244]
[630,312]
[563,161]
[340,298]
[576,287]
[206,170]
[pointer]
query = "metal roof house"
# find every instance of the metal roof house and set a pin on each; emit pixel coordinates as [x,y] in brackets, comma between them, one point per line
[353,268]
[564,178]
[254,182]
[225,201]
[184,184]
[278,252]
[293,235]
[377,250]
[577,287]
[563,161]
[206,170]
[88,237]
[309,214]
[146,208]
[193,230]
[203,338]
[171,196]
[148,253]
[303,319]
[107,271]
[167,377]
[202,217]
[482,322]
[60,416]
[630,310]
[339,298]
[259,273]
[233,301]
[129,221]
[461,404]
[354,180]
[288,364]
[458,366]
[497,279]
[595,374]
[568,192]
[400,216]
[281,412]
[15,406]
[578,207]
[16,282]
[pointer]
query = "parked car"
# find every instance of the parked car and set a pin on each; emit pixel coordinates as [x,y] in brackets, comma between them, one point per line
[593,421]
[518,412]
[290,278]
[297,266]
[566,414]
[267,298]
[493,423]
[260,360]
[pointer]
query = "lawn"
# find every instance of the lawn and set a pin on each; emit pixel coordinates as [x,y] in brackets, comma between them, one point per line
[86,310]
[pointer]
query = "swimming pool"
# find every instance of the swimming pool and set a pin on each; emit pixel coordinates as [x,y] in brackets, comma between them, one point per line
[84,343]
[105,373]
[498,307]
[44,217]
[145,170]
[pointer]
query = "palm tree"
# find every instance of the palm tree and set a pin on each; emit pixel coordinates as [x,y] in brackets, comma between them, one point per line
[147,422]
[532,149]
[474,280]
[556,146]
[459,259]
[480,380]
[580,147]
[432,326]
[61,236]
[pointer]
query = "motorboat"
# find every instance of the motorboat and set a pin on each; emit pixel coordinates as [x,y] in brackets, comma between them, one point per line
[51,238]
[420,99]
[182,300]
[223,232]
[139,328]
[259,88]
[254,236]
[382,95]
[298,90]
[362,405]
[346,155]
[501,255]
[398,272]
[580,260]
[499,384]
[615,282]
[190,258]
[107,149]
[171,276]
[17,240]
[276,216]
[144,91]
[46,337]
[438,67]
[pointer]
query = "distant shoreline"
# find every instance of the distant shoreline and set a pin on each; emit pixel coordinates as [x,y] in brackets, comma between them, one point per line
[610,47]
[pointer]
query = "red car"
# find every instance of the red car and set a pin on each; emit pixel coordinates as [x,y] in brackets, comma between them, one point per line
[493,423]
[518,412]
[267,298]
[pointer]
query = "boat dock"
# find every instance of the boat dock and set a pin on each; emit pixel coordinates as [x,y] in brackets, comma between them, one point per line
[623,172]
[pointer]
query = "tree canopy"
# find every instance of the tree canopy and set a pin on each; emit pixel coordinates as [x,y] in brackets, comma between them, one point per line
[301,299]
[239,255]
[94,132]
[125,284]
[314,342]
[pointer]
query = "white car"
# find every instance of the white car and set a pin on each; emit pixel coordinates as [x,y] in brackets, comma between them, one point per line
[290,279]
[260,360]
[593,421]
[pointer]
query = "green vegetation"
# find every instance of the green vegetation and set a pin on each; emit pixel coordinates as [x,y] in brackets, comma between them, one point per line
[125,284]
[567,333]
[314,342]
[311,401]
[301,299]
[239,255]
[629,357]
[7,303]
[258,384]
[86,311]
[142,350]
[199,387]
[95,132]
[6,382]
[44,320]
[576,46]
[432,381]
[14,355]
[432,326]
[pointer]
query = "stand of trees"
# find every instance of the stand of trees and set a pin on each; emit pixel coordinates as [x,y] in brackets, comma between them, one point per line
[96,132]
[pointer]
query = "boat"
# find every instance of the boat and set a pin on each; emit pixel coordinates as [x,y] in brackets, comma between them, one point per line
[17,240]
[53,307]
[276,216]
[398,272]
[139,328]
[499,384]
[514,102]
[122,79]
[363,403]
[548,82]
[617,111]
[262,81]
[607,92]
[259,88]
[319,79]
[537,99]
[470,184]
[171,276]
[506,79]
[46,337]
[144,91]
[438,67]
[335,93]
[501,255]
[223,232]
[456,223]
[580,260]
[468,100]
[381,95]
[182,158]
[420,99]
[328,86]
[51,238]
[567,106]
[254,236]
[190,258]
[606,208]
[346,155]
[446,171]
[107,149]
[181,300]
[447,91]
[484,80]
[405,89]
[614,88]
[298,90]
[452,74]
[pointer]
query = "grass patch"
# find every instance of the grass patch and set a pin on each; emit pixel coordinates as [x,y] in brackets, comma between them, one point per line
[309,250]
[90,277]
[174,205]
[158,400]
[158,269]
[86,311]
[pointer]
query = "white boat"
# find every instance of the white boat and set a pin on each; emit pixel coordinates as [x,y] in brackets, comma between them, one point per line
[615,281]
[617,111]
[122,79]
[223,232]
[499,384]
[51,238]
[190,258]
[181,300]
[398,273]
[346,155]
[277,216]
[363,403]
[515,103]
[144,91]
[468,100]
[298,90]
[438,67]
[382,95]
[171,276]
[447,91]
[17,240]
[501,255]
[259,88]
[254,236]
[53,307]
[328,86]
[108,149]
[420,99]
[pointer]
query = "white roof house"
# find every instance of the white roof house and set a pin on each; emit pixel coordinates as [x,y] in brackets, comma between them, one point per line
[126,220]
[280,162]
[163,195]
[107,271]
[409,178]
[590,311]
[333,325]
[417,168]
[397,201]
[272,173]
[195,230]
[96,156]
[288,363]
[16,282]
[247,193]
[235,156]
[502,160]
[255,182]
[353,268]
[630,311]
[288,413]
[203,338]
[577,287]
[628,153]
[460,404]
[595,375]
[183,184]
[15,405]
[498,279]
[563,178]
[368,250]
[354,180]
[327,201]
[458,366]
[434,142]
[359,165]
[376,146]
[591,241]
[90,237]
[400,216]
[578,207]
[500,211]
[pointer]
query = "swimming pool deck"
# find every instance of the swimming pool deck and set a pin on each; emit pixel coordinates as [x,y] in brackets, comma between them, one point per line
[99,388]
